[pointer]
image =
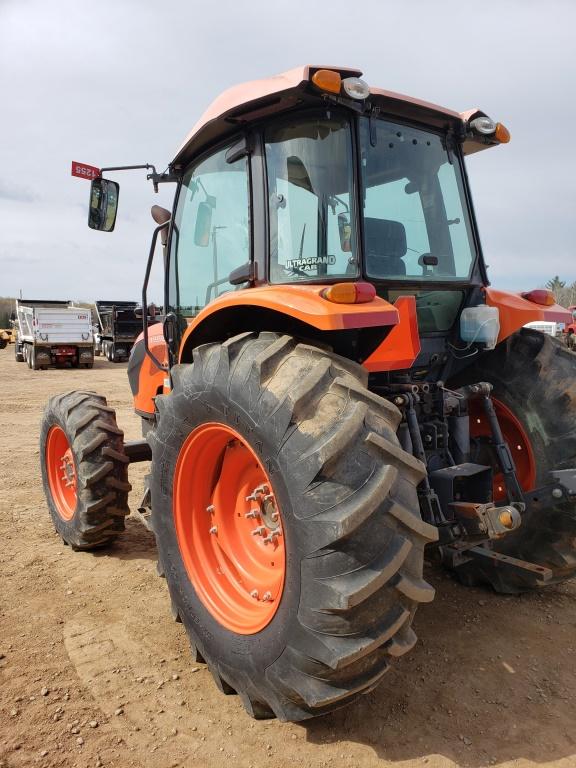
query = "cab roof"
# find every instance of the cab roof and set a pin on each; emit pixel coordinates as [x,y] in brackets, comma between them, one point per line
[245,103]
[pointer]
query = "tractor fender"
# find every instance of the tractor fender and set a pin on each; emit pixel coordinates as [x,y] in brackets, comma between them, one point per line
[294,309]
[146,379]
[515,311]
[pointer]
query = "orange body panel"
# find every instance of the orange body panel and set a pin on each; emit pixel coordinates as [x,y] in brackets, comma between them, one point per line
[516,311]
[304,303]
[150,377]
[402,345]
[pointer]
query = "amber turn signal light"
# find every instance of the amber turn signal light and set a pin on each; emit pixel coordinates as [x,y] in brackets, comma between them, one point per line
[502,134]
[540,296]
[349,293]
[327,80]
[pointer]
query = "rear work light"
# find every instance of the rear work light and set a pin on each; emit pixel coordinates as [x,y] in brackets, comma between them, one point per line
[540,296]
[349,293]
[328,80]
[487,127]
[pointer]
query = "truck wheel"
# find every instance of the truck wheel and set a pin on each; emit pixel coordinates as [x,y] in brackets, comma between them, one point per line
[18,353]
[287,523]
[533,375]
[84,469]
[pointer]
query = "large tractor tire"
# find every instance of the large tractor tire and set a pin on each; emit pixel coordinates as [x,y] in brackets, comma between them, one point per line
[287,523]
[534,380]
[84,469]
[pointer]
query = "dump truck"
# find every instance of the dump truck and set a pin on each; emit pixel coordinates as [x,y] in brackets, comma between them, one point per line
[120,323]
[335,391]
[53,333]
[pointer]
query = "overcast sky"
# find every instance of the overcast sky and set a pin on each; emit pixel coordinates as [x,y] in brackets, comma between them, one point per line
[119,82]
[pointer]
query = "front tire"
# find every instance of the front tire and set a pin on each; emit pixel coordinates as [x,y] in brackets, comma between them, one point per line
[351,529]
[84,469]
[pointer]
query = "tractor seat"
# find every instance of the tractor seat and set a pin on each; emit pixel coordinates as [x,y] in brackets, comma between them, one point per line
[385,246]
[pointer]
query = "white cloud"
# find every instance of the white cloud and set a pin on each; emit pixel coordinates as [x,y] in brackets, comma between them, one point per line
[121,82]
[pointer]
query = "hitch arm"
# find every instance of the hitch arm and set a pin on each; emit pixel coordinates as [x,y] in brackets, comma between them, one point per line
[503,453]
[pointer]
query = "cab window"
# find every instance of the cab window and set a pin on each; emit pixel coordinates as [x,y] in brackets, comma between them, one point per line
[211,235]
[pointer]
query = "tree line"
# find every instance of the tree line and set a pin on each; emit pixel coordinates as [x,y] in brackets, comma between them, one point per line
[564,294]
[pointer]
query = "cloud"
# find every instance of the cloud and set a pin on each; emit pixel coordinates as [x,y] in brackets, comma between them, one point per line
[11,191]
[122,82]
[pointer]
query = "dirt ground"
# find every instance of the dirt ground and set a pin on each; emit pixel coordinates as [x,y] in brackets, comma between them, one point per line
[93,671]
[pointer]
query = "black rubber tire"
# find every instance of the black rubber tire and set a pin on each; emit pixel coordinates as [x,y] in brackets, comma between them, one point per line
[101,468]
[3,343]
[19,355]
[533,374]
[351,522]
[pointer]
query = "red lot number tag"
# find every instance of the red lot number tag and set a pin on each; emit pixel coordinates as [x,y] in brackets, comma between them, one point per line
[85,171]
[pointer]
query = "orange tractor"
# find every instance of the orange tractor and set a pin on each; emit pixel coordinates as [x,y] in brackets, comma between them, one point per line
[333,390]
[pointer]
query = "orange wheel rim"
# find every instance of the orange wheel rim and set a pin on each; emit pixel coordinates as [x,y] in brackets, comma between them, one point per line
[518,442]
[61,472]
[229,528]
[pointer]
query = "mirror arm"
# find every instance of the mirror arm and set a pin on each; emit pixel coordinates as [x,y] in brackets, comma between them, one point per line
[147,349]
[155,177]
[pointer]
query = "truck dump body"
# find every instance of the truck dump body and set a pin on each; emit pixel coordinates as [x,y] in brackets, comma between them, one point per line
[119,328]
[54,332]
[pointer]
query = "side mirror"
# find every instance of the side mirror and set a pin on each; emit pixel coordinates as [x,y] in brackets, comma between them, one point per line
[345,232]
[103,204]
[203,225]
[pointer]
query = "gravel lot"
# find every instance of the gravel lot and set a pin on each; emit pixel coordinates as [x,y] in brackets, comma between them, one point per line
[93,672]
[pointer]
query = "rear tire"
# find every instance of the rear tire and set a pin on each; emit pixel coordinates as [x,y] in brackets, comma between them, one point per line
[95,463]
[533,375]
[352,531]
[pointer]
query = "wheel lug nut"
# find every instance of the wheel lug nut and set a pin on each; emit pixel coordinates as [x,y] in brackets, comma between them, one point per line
[214,529]
[267,597]
[260,531]
[211,509]
[252,513]
[254,594]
